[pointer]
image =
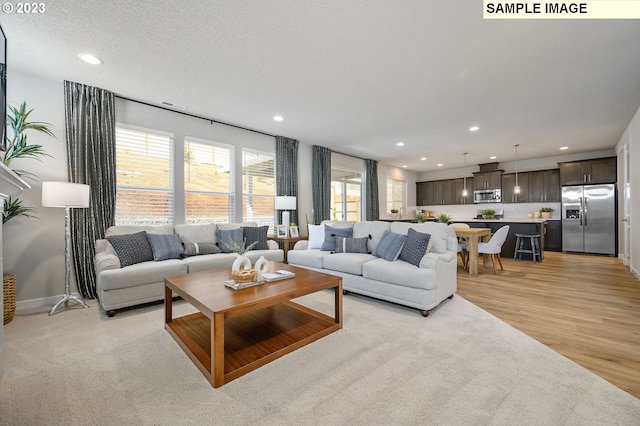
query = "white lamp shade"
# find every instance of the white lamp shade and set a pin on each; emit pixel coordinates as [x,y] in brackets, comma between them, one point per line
[65,194]
[285,202]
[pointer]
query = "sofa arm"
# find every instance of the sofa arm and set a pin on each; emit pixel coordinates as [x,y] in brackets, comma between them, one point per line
[106,261]
[273,245]
[429,261]
[301,245]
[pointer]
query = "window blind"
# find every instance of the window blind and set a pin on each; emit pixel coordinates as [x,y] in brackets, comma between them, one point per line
[258,187]
[208,182]
[395,194]
[144,167]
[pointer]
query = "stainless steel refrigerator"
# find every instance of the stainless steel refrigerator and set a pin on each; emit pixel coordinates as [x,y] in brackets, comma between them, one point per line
[589,219]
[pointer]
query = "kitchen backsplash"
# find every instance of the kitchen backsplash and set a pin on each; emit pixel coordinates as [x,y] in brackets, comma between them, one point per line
[469,211]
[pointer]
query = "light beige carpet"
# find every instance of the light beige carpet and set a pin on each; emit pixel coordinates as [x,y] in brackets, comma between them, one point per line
[389,365]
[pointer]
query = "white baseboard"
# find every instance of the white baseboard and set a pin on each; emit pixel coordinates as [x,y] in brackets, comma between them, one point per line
[44,301]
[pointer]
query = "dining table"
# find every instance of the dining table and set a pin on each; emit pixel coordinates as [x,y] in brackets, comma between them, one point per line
[472,236]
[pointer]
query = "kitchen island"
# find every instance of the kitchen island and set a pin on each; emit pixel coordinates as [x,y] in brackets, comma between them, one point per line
[516,226]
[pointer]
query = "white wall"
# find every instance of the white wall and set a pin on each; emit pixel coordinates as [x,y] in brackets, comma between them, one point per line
[632,138]
[34,248]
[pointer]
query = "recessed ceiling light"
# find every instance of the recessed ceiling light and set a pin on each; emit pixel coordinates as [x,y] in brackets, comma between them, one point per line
[400,144]
[90,59]
[278,118]
[493,157]
[423,158]
[474,128]
[404,165]
[439,164]
[564,147]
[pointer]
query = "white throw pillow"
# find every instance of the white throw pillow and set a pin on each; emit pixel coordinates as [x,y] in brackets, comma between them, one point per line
[316,236]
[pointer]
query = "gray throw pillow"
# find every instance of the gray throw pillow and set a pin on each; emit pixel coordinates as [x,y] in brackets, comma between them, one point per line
[352,245]
[131,248]
[415,246]
[252,234]
[165,246]
[226,235]
[195,249]
[390,246]
[330,232]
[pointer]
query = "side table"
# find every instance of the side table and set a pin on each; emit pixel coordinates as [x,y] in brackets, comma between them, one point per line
[286,243]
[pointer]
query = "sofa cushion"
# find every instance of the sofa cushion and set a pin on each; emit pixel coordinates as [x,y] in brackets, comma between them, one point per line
[197,249]
[141,274]
[390,246]
[165,246]
[132,229]
[228,237]
[310,258]
[352,245]
[209,261]
[256,234]
[329,243]
[375,229]
[131,248]
[415,247]
[197,232]
[399,273]
[316,237]
[351,263]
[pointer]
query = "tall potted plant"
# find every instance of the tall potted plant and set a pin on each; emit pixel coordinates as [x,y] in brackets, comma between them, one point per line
[18,147]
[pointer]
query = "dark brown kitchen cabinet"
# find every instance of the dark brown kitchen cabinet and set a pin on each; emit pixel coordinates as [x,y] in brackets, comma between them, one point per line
[553,236]
[441,192]
[508,184]
[601,170]
[487,180]
[544,185]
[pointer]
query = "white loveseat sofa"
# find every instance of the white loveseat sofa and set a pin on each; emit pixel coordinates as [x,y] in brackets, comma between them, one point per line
[119,287]
[422,287]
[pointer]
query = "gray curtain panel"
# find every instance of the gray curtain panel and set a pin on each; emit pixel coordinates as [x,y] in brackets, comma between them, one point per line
[90,129]
[287,172]
[371,191]
[321,182]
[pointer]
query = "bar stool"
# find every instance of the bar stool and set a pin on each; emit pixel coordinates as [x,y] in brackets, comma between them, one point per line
[535,247]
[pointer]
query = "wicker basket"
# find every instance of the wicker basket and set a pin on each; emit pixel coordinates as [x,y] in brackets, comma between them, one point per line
[244,275]
[9,296]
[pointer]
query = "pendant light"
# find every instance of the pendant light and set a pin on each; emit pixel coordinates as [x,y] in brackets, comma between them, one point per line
[464,177]
[516,189]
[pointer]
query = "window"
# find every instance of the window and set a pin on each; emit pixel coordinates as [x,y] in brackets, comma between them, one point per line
[346,194]
[395,194]
[258,187]
[144,171]
[208,182]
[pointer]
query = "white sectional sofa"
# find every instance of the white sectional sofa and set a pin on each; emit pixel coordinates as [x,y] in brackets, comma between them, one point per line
[422,287]
[119,287]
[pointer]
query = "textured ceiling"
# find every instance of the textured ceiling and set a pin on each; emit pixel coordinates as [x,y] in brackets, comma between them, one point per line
[355,76]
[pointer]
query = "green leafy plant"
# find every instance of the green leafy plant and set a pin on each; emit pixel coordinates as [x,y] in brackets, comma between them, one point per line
[18,147]
[240,248]
[420,217]
[546,210]
[394,211]
[488,212]
[444,218]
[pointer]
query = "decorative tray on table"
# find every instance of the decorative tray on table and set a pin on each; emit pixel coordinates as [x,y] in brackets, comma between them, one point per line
[237,286]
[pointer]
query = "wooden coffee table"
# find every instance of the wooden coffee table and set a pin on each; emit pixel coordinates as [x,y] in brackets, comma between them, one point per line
[237,331]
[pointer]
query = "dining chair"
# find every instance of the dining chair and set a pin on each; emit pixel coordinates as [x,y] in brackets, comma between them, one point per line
[463,246]
[494,246]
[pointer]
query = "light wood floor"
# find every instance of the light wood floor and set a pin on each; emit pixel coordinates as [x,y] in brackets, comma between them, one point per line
[586,308]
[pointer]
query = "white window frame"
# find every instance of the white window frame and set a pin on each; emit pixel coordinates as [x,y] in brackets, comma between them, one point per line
[390,196]
[245,195]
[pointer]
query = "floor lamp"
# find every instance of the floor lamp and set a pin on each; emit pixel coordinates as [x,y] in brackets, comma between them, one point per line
[68,196]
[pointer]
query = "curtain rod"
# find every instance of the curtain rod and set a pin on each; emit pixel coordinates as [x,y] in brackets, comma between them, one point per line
[211,120]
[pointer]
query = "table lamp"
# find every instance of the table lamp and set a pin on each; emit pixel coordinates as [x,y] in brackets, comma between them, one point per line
[286,203]
[69,196]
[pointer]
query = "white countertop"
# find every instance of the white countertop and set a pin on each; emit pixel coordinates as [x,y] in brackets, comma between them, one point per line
[506,220]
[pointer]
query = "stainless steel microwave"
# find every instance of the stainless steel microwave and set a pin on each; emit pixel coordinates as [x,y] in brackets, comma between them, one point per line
[487,196]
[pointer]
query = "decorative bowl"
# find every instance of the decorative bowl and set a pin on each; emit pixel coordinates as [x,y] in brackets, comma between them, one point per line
[244,275]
